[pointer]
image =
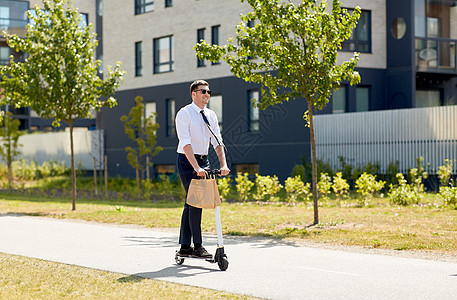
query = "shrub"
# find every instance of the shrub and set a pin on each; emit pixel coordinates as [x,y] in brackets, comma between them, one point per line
[267,187]
[296,189]
[340,185]
[449,195]
[243,185]
[324,186]
[445,172]
[366,185]
[223,184]
[403,193]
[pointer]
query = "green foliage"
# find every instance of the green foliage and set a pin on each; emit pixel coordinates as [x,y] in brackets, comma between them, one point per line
[59,78]
[324,185]
[366,185]
[300,43]
[267,187]
[243,185]
[445,172]
[296,189]
[223,184]
[142,131]
[404,193]
[9,134]
[449,195]
[340,186]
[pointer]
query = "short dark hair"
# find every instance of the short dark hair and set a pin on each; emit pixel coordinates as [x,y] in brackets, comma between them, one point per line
[194,86]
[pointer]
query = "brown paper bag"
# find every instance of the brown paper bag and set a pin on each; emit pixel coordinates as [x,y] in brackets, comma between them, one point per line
[203,193]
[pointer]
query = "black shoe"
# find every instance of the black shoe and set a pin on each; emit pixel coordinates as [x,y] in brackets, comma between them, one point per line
[201,253]
[186,251]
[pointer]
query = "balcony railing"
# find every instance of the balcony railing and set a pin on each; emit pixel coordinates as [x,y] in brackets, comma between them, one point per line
[436,55]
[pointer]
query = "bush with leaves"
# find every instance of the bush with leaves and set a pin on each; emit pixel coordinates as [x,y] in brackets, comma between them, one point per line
[447,192]
[404,193]
[267,187]
[366,185]
[297,190]
[449,195]
[445,172]
[243,185]
[324,186]
[340,185]
[223,184]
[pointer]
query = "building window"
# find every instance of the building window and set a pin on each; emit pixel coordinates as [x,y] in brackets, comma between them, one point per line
[165,169]
[13,14]
[428,98]
[362,100]
[84,20]
[138,59]
[168,3]
[4,55]
[339,100]
[150,109]
[143,6]
[251,169]
[215,38]
[215,104]
[200,38]
[436,34]
[360,39]
[163,54]
[254,124]
[170,117]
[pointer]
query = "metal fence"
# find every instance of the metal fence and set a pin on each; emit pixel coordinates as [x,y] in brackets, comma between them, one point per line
[389,136]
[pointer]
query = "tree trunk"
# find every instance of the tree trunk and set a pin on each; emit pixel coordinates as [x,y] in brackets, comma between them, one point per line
[73,170]
[106,176]
[10,174]
[95,176]
[137,171]
[313,162]
[9,162]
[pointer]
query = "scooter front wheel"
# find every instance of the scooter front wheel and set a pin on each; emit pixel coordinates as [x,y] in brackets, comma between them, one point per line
[223,264]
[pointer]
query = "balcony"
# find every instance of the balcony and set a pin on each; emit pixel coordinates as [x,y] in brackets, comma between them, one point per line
[436,55]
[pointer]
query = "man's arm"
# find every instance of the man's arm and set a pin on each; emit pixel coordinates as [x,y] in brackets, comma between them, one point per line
[193,161]
[222,161]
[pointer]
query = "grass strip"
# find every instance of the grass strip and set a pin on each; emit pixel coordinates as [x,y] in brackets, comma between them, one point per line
[30,278]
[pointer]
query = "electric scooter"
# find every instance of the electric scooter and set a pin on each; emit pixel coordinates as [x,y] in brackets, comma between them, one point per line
[219,257]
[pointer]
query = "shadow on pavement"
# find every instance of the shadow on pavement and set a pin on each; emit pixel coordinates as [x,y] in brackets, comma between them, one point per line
[173,271]
[172,241]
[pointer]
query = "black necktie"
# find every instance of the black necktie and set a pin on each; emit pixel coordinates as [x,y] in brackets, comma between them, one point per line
[204,117]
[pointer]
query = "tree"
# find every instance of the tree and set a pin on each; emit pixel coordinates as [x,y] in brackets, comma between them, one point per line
[58,79]
[9,132]
[142,131]
[292,52]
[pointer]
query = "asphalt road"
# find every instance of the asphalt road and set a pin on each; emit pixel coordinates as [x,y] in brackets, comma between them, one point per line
[258,267]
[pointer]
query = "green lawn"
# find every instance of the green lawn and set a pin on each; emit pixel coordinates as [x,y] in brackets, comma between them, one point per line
[30,278]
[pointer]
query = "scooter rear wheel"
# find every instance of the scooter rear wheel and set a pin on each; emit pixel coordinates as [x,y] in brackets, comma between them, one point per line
[179,260]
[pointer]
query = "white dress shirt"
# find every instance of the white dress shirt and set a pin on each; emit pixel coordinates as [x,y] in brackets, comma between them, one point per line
[191,129]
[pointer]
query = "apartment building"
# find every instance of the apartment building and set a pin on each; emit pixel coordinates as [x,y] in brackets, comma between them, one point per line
[407,60]
[13,19]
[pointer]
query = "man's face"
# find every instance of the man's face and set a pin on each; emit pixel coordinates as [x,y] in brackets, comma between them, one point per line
[201,98]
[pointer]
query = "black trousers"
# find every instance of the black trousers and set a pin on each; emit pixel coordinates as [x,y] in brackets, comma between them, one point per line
[191,216]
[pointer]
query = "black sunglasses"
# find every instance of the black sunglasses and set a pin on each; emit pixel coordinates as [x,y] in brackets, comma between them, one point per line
[204,91]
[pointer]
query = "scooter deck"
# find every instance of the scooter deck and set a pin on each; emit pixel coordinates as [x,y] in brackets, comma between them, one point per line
[208,259]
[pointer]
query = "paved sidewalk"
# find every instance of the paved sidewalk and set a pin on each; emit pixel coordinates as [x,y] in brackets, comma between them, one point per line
[258,267]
